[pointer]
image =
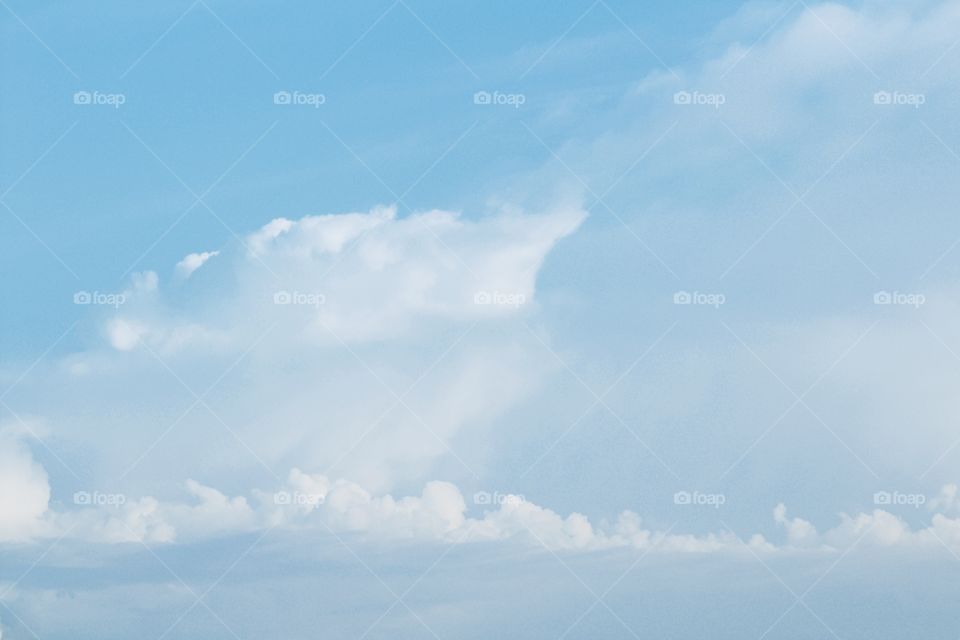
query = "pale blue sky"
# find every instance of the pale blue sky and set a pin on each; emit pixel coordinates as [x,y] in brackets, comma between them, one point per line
[458,299]
[198,98]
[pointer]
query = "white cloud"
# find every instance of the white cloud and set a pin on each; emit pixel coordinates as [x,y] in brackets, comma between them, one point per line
[24,488]
[375,275]
[382,277]
[360,276]
[948,500]
[125,519]
[192,262]
[258,241]
[278,318]
[440,514]
[800,533]
[124,334]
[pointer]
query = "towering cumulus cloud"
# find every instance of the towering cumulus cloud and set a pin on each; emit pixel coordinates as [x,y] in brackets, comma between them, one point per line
[362,344]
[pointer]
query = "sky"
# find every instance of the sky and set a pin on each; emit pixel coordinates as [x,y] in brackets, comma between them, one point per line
[420,319]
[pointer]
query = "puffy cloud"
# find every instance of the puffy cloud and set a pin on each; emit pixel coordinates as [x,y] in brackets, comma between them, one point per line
[142,520]
[24,488]
[302,502]
[213,513]
[800,533]
[117,519]
[192,262]
[443,290]
[361,276]
[258,241]
[370,276]
[879,527]
[346,506]
[373,276]
[124,334]
[440,514]
[948,500]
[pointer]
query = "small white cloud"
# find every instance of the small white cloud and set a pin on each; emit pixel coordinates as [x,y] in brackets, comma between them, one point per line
[192,262]
[800,533]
